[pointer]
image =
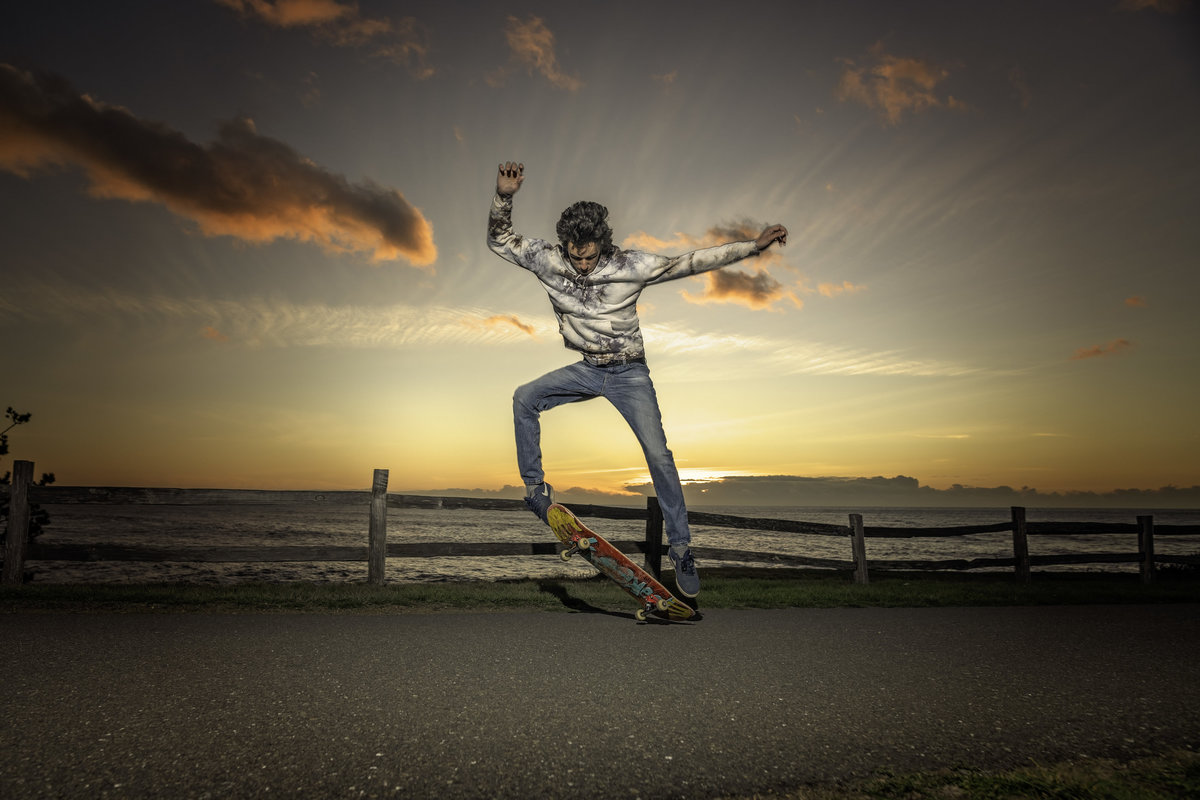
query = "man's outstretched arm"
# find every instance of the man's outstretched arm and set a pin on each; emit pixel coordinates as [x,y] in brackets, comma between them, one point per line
[710,258]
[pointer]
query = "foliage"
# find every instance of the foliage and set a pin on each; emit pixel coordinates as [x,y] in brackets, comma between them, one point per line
[39,518]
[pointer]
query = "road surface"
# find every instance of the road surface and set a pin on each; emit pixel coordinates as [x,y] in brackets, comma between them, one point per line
[578,704]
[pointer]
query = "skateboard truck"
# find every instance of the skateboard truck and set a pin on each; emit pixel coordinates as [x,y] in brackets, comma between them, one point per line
[657,604]
[577,543]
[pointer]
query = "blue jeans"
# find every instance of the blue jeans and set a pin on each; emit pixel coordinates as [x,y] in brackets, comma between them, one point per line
[629,389]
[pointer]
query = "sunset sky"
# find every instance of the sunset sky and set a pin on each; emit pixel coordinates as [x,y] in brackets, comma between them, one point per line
[242,242]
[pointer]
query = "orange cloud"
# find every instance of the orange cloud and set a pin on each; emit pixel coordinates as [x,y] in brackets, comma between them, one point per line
[533,45]
[243,185]
[894,85]
[213,334]
[1163,6]
[833,289]
[757,291]
[502,320]
[1097,351]
[401,41]
[1136,301]
[292,13]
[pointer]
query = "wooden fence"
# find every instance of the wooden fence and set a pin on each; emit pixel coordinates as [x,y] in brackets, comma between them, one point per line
[19,548]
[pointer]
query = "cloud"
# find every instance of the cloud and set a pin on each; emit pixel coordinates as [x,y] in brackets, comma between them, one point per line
[502,320]
[794,490]
[757,290]
[833,289]
[533,45]
[243,185]
[259,322]
[903,491]
[1101,350]
[791,356]
[402,41]
[667,80]
[1016,77]
[866,495]
[292,13]
[311,95]
[894,85]
[1136,301]
[1162,6]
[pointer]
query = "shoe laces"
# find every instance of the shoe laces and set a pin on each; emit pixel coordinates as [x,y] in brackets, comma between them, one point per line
[685,562]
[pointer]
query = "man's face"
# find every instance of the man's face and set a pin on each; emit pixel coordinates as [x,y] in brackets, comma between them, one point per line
[585,256]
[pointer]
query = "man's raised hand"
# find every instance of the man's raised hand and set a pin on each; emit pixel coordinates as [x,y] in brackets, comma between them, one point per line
[770,235]
[509,178]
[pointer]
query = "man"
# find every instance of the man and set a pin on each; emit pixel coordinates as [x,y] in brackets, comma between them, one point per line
[594,288]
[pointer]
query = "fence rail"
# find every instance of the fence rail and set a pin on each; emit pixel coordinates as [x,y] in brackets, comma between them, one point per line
[23,494]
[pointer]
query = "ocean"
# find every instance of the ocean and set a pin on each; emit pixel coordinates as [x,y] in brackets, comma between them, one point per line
[305,524]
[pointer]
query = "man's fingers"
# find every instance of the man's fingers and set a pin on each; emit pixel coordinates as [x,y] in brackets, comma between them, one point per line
[511,169]
[772,234]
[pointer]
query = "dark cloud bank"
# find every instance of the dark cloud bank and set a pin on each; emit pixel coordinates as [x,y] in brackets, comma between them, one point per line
[244,184]
[856,493]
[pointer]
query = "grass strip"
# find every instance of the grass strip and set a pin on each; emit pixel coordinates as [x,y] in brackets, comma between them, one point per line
[1172,775]
[723,589]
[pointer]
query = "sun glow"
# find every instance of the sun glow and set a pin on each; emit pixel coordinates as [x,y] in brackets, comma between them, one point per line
[695,475]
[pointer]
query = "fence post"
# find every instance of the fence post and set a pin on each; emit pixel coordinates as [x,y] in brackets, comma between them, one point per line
[1020,544]
[377,534]
[17,538]
[654,535]
[1146,547]
[858,545]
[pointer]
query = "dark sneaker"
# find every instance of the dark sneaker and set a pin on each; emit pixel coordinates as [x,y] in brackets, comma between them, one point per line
[685,570]
[539,498]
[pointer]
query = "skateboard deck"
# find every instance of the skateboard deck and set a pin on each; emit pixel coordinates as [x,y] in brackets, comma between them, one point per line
[597,551]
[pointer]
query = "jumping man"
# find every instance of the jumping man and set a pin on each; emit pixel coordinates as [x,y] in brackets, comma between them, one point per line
[594,289]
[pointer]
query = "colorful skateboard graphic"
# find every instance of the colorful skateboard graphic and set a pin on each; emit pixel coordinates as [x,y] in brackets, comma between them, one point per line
[595,549]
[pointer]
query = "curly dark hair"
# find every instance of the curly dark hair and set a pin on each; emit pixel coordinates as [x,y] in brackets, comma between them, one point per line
[585,222]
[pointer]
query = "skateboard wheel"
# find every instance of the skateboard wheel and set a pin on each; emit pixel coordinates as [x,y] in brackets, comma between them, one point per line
[565,555]
[640,614]
[583,543]
[660,604]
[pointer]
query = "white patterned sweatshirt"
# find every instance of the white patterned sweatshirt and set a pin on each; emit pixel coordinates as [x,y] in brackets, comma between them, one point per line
[597,311]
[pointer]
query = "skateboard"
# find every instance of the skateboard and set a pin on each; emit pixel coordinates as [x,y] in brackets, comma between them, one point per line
[597,551]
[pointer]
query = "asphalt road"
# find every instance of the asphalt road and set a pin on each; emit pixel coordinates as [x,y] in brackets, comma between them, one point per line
[577,705]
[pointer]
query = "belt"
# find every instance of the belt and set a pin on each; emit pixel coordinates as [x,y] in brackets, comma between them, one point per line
[617,361]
